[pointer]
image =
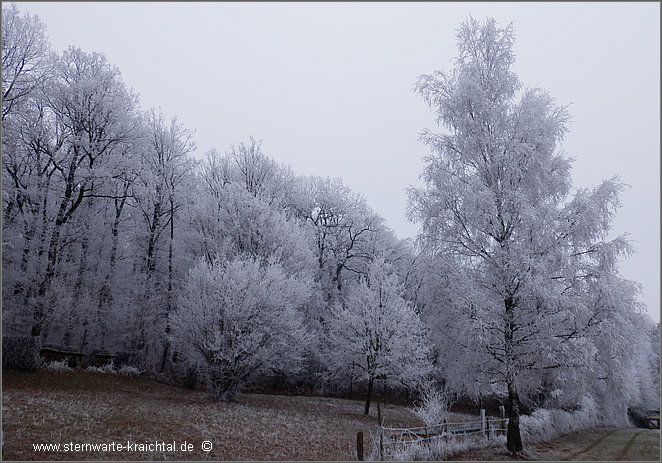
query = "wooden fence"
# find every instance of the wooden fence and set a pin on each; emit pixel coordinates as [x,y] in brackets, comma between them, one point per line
[487,427]
[391,438]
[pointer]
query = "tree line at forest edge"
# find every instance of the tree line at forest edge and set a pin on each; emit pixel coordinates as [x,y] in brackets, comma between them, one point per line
[116,239]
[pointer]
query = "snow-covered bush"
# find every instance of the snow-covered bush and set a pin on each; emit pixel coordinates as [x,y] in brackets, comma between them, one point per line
[110,368]
[55,365]
[107,368]
[128,370]
[545,424]
[239,319]
[433,408]
[21,353]
[131,359]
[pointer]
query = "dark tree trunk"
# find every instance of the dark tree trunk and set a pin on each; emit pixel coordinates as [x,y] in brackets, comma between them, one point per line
[64,212]
[368,397]
[337,275]
[514,439]
[146,308]
[77,293]
[39,314]
[166,341]
[28,234]
[105,294]
[153,232]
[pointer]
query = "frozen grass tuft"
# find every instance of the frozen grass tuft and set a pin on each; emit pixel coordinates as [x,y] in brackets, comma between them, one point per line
[109,368]
[439,449]
[55,365]
[103,369]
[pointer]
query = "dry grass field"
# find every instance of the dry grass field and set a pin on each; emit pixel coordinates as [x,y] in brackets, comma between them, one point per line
[93,408]
[77,407]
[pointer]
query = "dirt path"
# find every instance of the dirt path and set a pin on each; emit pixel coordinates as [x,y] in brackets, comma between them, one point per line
[624,453]
[593,444]
[602,444]
[589,448]
[629,444]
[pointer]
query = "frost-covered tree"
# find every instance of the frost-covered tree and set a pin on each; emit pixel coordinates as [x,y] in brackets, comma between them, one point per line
[68,141]
[252,168]
[239,213]
[247,166]
[158,194]
[25,57]
[645,368]
[77,133]
[344,230]
[377,334]
[26,172]
[241,318]
[654,363]
[530,275]
[27,176]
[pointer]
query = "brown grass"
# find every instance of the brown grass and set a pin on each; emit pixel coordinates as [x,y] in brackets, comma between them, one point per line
[82,407]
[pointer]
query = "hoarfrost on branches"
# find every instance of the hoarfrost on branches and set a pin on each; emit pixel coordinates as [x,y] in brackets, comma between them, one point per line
[241,318]
[378,334]
[530,278]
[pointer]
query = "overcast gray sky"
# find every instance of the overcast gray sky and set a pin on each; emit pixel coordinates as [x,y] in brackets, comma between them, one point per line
[328,87]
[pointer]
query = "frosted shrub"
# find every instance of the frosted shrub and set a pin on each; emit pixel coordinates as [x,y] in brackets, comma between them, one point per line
[128,370]
[55,365]
[545,424]
[20,353]
[240,319]
[433,408]
[108,368]
[127,358]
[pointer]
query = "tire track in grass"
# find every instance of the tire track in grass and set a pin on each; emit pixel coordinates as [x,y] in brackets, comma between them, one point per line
[621,455]
[596,442]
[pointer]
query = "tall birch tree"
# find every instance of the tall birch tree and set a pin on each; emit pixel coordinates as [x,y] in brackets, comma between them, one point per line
[529,264]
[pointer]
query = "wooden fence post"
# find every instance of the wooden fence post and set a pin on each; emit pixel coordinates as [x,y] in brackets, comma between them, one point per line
[482,421]
[379,412]
[359,446]
[502,412]
[380,432]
